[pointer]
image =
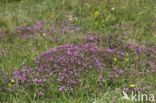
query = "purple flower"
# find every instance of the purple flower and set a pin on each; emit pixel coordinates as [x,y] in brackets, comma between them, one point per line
[122,53]
[51,74]
[71,89]
[153,70]
[41,93]
[61,88]
[59,79]
[138,50]
[121,71]
[111,51]
[86,86]
[126,90]
[149,88]
[136,89]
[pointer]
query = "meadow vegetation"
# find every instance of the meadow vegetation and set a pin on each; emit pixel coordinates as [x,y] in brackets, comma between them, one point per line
[76,51]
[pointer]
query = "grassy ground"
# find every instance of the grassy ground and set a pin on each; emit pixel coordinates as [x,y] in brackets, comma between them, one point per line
[30,28]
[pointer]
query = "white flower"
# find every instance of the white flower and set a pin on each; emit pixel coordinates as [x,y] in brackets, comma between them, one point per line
[113,8]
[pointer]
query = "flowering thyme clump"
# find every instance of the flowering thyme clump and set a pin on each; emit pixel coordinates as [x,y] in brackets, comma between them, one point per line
[66,66]
[45,29]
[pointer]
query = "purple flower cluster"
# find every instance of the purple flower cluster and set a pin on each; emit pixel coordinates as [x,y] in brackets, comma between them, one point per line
[45,29]
[24,31]
[66,66]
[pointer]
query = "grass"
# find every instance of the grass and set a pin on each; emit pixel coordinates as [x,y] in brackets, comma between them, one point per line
[77,22]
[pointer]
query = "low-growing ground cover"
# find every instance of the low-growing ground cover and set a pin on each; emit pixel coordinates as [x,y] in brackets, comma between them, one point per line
[65,51]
